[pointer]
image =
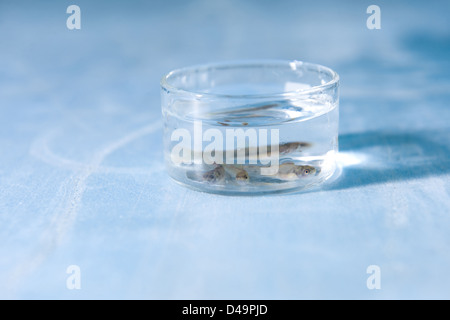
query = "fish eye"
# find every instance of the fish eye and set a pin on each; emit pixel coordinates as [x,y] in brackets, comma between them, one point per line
[243,176]
[306,171]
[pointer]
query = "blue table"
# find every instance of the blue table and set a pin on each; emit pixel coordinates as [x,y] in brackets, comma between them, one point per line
[87,210]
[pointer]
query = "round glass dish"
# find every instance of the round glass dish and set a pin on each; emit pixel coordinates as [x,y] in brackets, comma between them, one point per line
[251,127]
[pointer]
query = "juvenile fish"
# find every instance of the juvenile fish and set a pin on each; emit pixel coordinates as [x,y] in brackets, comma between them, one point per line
[291,171]
[254,153]
[215,175]
[238,173]
[286,171]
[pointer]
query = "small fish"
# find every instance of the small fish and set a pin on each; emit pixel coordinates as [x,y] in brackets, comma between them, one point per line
[249,111]
[291,171]
[254,153]
[238,172]
[253,108]
[242,174]
[226,123]
[215,175]
[288,147]
[286,171]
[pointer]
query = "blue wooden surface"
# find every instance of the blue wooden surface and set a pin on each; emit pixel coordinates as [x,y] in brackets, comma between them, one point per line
[82,180]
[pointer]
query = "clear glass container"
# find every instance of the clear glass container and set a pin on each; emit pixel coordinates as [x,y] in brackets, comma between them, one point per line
[251,127]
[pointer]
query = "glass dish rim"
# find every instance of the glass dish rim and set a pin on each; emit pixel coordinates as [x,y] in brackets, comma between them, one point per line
[165,85]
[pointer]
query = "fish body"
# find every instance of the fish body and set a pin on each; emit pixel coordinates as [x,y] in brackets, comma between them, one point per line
[291,171]
[215,175]
[256,153]
[242,174]
[238,173]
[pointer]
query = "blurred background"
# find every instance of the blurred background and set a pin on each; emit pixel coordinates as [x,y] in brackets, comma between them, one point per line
[82,181]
